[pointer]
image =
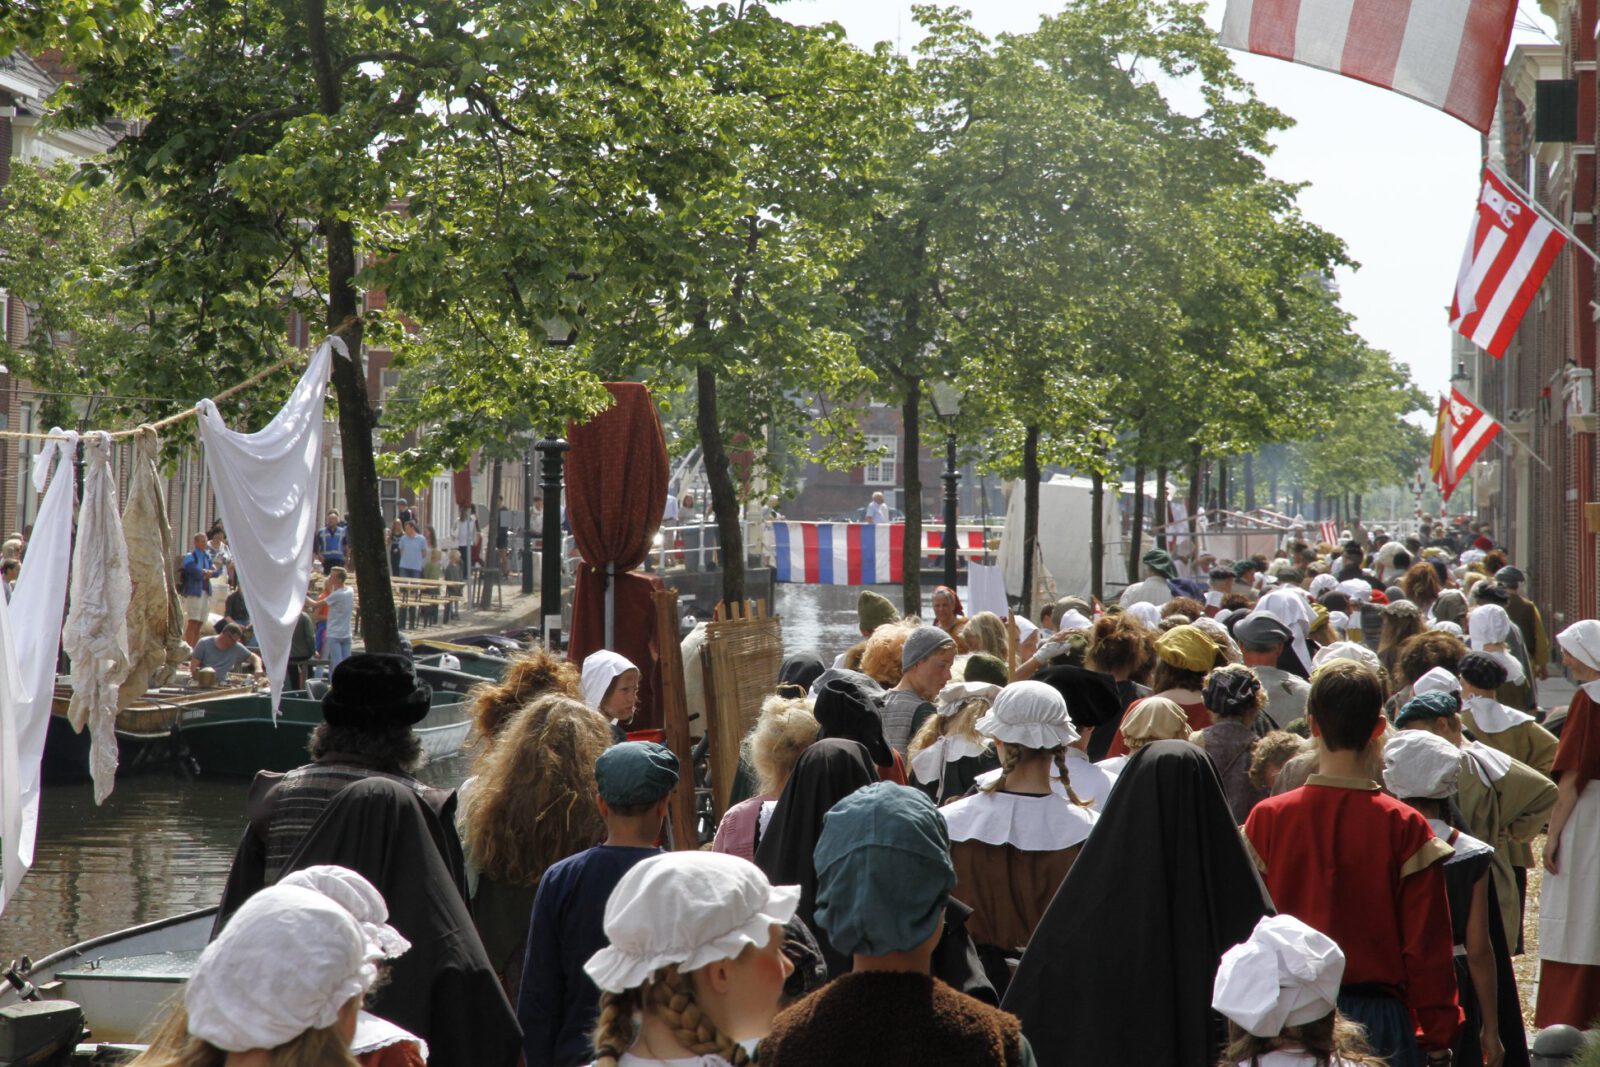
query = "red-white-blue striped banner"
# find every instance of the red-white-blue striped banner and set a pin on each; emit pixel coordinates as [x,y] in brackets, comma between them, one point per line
[852,553]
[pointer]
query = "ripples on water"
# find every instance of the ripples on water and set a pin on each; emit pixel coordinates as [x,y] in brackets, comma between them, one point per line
[162,845]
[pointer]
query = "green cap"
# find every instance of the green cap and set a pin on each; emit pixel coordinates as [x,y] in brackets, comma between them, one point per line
[883,870]
[1434,705]
[1159,561]
[635,772]
[1244,567]
[874,610]
[982,667]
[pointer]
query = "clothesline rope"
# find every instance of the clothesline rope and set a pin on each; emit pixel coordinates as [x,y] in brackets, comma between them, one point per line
[190,412]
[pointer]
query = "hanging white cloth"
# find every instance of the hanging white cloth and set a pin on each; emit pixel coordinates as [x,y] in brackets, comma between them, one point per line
[28,657]
[986,589]
[266,485]
[144,525]
[96,634]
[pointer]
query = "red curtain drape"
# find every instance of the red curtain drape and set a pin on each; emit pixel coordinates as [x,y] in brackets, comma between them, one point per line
[616,492]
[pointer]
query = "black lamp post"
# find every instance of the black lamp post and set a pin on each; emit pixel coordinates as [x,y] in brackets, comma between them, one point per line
[554,450]
[527,518]
[947,405]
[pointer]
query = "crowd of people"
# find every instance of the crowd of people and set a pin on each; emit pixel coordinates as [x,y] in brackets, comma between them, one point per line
[1280,814]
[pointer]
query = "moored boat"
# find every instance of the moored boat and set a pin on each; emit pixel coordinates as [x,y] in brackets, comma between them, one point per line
[147,734]
[486,666]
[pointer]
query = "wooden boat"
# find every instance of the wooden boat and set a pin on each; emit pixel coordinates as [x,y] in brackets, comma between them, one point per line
[237,737]
[484,665]
[123,981]
[147,736]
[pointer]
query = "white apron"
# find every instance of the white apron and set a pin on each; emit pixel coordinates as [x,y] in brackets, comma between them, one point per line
[1569,904]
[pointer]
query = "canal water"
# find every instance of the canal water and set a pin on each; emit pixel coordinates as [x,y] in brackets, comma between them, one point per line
[162,845]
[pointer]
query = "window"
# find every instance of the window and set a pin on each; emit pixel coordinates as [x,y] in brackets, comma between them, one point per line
[388,382]
[883,468]
[5,316]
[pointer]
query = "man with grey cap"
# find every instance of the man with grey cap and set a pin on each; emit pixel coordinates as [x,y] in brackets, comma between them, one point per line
[558,1003]
[884,876]
[925,662]
[1525,617]
[1261,638]
[1158,567]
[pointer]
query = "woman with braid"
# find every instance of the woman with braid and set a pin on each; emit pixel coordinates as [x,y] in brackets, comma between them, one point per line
[1014,840]
[695,967]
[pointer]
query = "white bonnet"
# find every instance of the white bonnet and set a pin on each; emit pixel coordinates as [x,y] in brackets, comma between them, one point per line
[1346,650]
[1340,621]
[1359,590]
[1582,639]
[1145,613]
[1074,620]
[688,909]
[1322,583]
[1417,763]
[1447,627]
[1488,624]
[953,696]
[1437,680]
[1287,974]
[599,670]
[287,962]
[1031,714]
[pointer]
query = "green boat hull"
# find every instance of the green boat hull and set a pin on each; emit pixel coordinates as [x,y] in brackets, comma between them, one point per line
[236,737]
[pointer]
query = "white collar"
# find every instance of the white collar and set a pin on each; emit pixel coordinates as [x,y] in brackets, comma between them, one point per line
[1490,764]
[1032,824]
[1493,717]
[928,764]
[1056,784]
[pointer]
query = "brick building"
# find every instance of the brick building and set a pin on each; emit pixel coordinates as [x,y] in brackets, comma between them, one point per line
[1536,491]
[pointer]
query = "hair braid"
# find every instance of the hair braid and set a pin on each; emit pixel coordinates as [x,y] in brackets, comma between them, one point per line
[1010,756]
[617,1027]
[671,996]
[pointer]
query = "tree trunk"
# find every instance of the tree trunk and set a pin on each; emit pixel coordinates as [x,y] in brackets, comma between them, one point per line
[1224,489]
[1163,512]
[1136,537]
[1196,474]
[719,476]
[1097,537]
[369,549]
[911,533]
[1249,481]
[1030,514]
[491,537]
[1358,507]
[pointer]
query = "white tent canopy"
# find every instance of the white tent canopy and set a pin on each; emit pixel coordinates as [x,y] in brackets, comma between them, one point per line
[1065,512]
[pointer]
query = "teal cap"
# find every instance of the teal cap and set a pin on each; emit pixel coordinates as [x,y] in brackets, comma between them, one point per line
[1435,705]
[635,772]
[883,870]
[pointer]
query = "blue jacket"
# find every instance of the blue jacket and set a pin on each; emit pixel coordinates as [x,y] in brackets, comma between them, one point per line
[196,573]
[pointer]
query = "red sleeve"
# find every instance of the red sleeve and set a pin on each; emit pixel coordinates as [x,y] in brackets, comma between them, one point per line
[895,773]
[1429,955]
[1579,751]
[1119,747]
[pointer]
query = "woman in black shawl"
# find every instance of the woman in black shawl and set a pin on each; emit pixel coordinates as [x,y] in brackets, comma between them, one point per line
[1121,966]
[827,772]
[444,990]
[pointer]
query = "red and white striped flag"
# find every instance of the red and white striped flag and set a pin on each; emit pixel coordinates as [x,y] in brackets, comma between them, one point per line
[1446,53]
[1510,249]
[1464,431]
[1329,531]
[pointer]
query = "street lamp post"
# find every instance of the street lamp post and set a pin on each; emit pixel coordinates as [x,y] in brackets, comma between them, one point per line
[947,405]
[554,450]
[527,518]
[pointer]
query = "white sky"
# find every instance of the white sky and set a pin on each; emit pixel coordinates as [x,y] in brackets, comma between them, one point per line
[1397,180]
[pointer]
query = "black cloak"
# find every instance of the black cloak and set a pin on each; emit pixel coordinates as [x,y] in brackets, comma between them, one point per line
[826,773]
[847,708]
[801,670]
[1121,967]
[444,989]
[1092,697]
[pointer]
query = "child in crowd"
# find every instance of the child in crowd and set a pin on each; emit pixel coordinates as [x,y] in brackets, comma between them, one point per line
[695,966]
[1278,992]
[611,687]
[558,1003]
[883,878]
[1374,881]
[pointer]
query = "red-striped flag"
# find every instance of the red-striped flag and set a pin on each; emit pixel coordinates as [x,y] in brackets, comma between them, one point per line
[1329,531]
[1446,53]
[1510,249]
[1460,440]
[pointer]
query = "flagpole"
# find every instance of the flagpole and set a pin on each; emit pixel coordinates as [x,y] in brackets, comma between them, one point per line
[1560,227]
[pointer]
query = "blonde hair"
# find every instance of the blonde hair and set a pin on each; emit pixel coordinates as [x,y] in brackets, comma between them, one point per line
[773,746]
[1328,1040]
[528,676]
[534,800]
[961,724]
[1014,755]
[668,994]
[984,632]
[171,1045]
[880,660]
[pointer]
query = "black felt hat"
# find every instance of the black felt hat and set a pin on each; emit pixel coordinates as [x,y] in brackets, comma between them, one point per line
[1091,696]
[847,709]
[376,691]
